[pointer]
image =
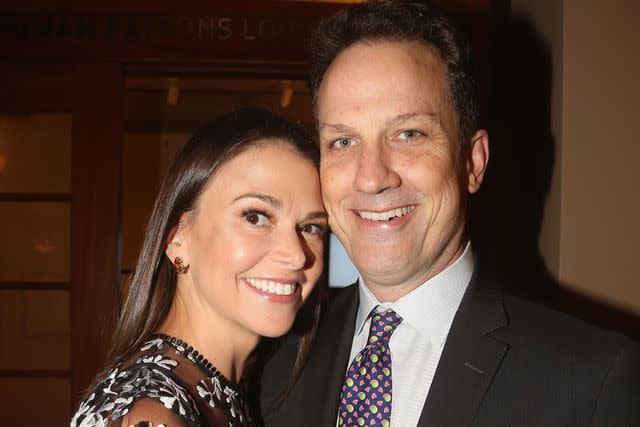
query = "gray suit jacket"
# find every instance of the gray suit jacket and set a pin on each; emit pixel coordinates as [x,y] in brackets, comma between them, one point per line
[506,362]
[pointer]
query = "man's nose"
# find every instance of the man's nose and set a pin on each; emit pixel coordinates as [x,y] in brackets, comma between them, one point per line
[376,172]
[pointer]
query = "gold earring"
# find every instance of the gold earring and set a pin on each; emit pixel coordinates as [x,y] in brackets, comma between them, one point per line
[178,263]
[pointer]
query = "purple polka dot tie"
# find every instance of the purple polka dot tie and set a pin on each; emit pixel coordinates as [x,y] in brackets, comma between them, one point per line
[366,392]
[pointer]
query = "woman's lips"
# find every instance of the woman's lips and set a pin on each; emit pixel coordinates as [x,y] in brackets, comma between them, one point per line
[275,290]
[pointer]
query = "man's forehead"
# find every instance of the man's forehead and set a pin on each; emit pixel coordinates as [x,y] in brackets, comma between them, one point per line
[378,69]
[387,53]
[373,87]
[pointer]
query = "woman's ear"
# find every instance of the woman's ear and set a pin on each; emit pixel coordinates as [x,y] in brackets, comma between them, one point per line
[176,244]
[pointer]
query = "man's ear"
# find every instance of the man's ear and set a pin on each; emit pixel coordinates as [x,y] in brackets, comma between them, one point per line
[176,244]
[477,160]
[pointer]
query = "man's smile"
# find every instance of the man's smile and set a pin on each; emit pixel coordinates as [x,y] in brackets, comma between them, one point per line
[385,215]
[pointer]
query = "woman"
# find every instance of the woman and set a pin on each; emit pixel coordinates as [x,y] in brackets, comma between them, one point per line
[233,249]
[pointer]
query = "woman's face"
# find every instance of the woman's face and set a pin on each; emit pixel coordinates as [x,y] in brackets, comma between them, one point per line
[254,242]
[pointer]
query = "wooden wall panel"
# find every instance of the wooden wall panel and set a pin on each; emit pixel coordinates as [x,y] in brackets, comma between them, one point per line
[31,88]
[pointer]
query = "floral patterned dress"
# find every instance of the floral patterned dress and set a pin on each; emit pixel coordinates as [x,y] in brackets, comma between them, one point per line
[169,371]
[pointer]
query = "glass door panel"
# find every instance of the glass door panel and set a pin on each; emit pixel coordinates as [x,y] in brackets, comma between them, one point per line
[36,242]
[34,330]
[35,153]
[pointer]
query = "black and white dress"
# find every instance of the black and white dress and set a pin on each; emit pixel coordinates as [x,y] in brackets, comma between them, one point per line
[171,372]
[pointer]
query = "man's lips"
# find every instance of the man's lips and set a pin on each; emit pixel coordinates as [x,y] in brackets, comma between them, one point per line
[385,215]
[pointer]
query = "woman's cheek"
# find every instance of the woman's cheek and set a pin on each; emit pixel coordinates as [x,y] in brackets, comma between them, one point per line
[245,251]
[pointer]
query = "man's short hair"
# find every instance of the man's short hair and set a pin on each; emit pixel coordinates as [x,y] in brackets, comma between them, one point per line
[400,20]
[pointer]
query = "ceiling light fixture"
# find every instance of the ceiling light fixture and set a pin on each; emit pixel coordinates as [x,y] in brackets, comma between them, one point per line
[286,94]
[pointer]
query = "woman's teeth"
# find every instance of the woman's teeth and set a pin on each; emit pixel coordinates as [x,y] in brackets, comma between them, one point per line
[387,215]
[272,287]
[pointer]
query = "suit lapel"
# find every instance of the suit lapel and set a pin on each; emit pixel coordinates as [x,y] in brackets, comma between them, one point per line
[470,358]
[334,342]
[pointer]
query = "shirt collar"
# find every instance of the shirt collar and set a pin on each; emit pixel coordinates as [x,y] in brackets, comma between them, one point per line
[431,307]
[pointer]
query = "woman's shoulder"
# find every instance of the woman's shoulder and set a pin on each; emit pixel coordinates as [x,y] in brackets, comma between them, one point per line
[148,412]
[144,383]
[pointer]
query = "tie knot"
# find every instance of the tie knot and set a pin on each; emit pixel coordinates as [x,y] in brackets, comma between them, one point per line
[383,323]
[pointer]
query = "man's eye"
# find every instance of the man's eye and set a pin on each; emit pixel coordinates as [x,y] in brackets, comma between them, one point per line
[257,218]
[410,134]
[312,228]
[343,143]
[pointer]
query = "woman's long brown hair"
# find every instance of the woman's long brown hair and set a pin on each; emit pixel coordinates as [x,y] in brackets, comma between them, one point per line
[150,294]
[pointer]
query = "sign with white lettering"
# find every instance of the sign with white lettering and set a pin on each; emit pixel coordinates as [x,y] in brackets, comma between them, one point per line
[132,37]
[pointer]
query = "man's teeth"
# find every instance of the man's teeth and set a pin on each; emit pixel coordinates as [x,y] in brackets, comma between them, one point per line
[272,287]
[387,215]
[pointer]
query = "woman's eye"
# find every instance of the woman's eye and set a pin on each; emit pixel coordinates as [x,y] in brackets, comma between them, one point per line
[343,143]
[257,218]
[312,228]
[410,134]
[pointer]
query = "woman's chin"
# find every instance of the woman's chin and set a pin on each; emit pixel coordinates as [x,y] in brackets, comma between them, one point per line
[275,330]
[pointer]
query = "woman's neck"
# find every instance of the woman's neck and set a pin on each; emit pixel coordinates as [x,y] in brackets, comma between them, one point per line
[223,342]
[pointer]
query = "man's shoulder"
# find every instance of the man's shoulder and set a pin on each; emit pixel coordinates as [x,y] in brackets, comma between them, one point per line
[558,333]
[524,311]
[584,365]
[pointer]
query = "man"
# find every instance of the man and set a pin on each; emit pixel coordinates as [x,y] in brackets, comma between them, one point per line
[425,337]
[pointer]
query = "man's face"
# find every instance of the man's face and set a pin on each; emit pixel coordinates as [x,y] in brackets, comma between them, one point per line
[394,178]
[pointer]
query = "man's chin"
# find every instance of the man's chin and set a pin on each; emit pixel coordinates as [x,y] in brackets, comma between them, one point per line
[385,274]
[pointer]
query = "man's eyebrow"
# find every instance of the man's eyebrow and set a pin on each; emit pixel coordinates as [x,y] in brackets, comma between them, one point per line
[400,118]
[275,203]
[337,127]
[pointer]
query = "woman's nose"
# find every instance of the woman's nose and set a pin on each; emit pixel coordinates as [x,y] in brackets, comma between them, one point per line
[291,252]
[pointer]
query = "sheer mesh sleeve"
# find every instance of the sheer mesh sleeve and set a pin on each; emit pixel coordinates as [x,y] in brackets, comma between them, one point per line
[149,412]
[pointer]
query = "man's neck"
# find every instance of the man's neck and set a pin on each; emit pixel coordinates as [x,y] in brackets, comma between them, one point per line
[388,291]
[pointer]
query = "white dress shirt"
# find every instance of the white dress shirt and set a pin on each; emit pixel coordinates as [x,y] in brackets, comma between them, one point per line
[416,344]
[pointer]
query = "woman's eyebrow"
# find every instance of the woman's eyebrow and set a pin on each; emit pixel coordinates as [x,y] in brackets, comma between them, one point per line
[316,215]
[270,200]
